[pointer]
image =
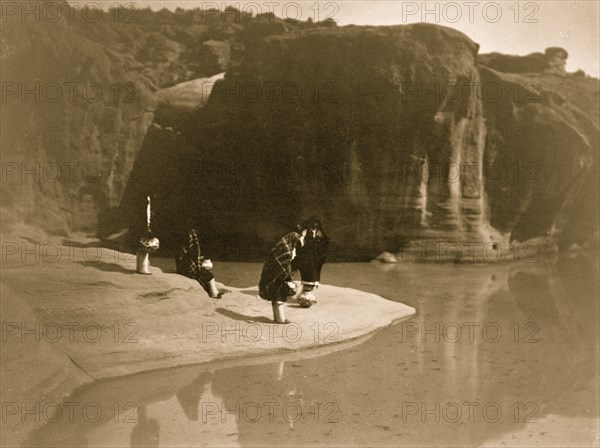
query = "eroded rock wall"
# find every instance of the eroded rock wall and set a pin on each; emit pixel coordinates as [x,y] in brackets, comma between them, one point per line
[395,136]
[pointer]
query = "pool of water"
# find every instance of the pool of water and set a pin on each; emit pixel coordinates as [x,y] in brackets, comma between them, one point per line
[496,354]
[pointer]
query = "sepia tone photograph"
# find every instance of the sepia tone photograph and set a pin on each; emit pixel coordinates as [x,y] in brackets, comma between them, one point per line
[299,223]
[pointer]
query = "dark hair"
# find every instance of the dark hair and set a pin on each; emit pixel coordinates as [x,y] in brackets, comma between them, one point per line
[311,223]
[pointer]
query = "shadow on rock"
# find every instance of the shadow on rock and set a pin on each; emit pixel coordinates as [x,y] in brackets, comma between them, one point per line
[238,316]
[107,267]
[250,292]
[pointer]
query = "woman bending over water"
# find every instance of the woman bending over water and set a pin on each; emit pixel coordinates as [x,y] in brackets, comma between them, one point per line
[276,284]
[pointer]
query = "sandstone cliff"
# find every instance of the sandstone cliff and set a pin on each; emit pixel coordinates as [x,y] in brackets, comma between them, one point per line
[79,91]
[397,136]
[73,114]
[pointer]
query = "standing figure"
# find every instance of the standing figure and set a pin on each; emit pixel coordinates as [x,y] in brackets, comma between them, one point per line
[310,260]
[192,264]
[147,244]
[276,283]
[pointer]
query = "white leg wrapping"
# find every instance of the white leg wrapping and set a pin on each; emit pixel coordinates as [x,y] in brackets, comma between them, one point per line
[278,312]
[212,289]
[143,262]
[308,296]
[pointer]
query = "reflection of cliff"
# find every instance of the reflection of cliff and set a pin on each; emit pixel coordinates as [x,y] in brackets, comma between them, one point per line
[559,302]
[395,135]
[556,375]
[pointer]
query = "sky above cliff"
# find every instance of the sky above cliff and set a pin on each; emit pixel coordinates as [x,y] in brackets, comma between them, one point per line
[509,27]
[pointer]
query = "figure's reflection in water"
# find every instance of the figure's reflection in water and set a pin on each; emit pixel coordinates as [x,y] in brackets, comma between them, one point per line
[547,355]
[146,432]
[133,411]
[189,396]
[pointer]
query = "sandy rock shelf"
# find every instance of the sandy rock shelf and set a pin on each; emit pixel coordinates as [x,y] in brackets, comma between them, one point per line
[70,322]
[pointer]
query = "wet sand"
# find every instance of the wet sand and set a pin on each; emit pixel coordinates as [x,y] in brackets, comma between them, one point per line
[497,355]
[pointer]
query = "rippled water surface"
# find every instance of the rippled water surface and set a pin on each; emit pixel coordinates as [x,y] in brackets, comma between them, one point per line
[496,355]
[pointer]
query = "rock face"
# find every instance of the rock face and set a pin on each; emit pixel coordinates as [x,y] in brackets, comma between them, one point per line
[78,96]
[396,136]
[73,116]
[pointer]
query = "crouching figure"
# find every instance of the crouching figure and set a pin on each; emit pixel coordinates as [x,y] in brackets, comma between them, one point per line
[276,284]
[190,263]
[310,260]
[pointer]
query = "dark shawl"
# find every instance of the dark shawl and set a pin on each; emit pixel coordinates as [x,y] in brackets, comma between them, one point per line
[189,259]
[278,268]
[311,257]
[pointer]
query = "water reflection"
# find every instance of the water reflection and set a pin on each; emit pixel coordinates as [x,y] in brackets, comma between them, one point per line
[146,431]
[492,350]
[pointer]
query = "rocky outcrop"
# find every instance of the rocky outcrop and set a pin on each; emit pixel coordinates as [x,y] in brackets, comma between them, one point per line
[78,95]
[73,116]
[397,136]
[553,61]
